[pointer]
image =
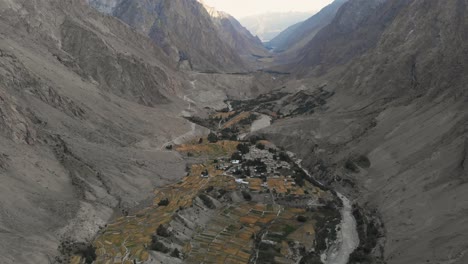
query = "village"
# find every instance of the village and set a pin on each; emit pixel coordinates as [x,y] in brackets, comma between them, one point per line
[242,201]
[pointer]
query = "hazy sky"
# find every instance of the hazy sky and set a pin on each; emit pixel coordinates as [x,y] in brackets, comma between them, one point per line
[242,8]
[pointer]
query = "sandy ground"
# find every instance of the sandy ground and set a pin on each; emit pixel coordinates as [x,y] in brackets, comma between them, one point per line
[263,122]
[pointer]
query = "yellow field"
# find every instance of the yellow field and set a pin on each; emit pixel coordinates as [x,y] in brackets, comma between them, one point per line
[126,238]
[229,236]
[223,115]
[236,119]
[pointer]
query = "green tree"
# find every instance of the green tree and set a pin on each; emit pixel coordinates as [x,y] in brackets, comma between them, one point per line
[212,137]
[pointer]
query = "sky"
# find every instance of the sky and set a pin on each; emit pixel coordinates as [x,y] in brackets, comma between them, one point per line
[243,8]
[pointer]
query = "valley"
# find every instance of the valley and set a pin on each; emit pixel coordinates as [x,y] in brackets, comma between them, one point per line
[241,202]
[163,131]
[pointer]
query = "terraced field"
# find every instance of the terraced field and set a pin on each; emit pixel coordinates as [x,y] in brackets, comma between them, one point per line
[229,237]
[128,237]
[246,214]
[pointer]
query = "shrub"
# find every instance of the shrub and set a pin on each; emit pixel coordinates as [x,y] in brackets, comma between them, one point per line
[243,148]
[164,202]
[236,156]
[212,138]
[260,146]
[299,179]
[363,162]
[209,189]
[255,138]
[301,218]
[283,156]
[261,168]
[350,166]
[247,196]
[88,252]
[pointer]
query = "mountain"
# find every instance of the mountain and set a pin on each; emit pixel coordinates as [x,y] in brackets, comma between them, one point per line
[82,100]
[104,6]
[298,35]
[269,25]
[235,35]
[394,129]
[374,106]
[356,29]
[185,31]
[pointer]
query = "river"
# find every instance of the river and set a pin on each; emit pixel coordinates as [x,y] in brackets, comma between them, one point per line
[347,237]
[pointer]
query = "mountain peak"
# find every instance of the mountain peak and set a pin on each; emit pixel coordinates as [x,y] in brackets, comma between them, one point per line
[213,11]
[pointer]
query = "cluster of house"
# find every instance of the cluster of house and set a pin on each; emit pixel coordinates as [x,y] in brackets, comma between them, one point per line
[236,168]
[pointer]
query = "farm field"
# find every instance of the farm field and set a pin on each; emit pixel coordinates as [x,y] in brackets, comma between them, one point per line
[227,216]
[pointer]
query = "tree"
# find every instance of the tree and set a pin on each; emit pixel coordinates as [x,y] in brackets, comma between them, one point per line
[247,196]
[164,202]
[260,146]
[212,138]
[236,156]
[243,148]
[301,219]
[284,157]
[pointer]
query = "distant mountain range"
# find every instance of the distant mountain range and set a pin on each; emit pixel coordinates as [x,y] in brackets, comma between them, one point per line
[299,34]
[269,25]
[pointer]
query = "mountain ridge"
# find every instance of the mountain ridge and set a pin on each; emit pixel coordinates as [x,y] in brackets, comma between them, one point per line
[375,107]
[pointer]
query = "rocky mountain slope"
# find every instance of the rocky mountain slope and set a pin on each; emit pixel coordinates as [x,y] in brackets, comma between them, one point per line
[376,107]
[82,100]
[395,128]
[104,6]
[298,35]
[185,31]
[236,35]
